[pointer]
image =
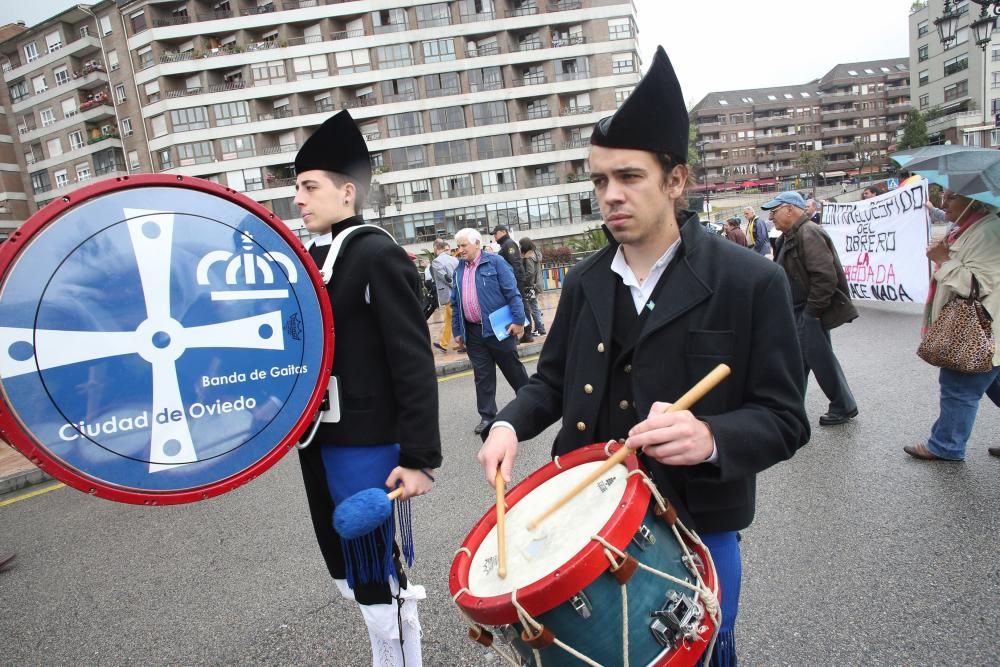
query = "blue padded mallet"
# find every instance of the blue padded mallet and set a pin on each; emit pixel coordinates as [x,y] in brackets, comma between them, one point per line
[363,512]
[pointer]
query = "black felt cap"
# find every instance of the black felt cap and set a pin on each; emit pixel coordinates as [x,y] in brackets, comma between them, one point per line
[337,145]
[653,118]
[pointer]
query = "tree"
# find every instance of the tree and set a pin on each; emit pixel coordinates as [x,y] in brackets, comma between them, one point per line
[694,155]
[914,131]
[812,163]
[862,156]
[590,241]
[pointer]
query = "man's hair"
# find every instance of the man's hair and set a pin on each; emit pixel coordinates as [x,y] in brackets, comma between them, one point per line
[440,244]
[748,209]
[468,235]
[340,180]
[667,163]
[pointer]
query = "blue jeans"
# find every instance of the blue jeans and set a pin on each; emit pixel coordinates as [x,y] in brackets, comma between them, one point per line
[960,396]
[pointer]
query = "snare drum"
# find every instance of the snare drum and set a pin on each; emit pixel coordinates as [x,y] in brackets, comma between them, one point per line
[612,572]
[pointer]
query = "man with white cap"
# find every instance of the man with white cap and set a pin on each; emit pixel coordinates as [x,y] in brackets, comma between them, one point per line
[641,321]
[384,388]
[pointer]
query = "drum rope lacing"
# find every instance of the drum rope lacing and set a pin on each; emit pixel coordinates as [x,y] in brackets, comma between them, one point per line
[528,621]
[511,660]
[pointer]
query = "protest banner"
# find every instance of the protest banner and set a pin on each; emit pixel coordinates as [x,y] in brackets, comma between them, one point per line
[882,243]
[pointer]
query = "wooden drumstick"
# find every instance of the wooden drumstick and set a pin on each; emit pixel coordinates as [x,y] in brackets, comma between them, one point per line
[693,395]
[501,521]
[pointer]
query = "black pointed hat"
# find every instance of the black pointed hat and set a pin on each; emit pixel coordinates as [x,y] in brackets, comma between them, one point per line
[653,118]
[337,145]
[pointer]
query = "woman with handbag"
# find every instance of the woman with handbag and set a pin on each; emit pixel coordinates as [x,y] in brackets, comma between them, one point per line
[963,299]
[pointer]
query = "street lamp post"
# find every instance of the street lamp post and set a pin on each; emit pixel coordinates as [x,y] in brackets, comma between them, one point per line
[982,30]
[704,179]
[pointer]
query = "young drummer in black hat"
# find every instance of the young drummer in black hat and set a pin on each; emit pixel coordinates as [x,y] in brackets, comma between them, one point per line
[386,390]
[643,320]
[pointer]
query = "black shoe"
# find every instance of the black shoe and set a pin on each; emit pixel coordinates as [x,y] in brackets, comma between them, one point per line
[440,347]
[832,419]
[538,333]
[526,338]
[994,451]
[481,426]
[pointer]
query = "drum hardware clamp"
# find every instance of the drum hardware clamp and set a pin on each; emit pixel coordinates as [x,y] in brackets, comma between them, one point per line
[581,605]
[512,636]
[678,619]
[694,563]
[644,538]
[324,406]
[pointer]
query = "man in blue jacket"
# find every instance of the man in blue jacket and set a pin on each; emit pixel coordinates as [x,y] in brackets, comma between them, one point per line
[484,283]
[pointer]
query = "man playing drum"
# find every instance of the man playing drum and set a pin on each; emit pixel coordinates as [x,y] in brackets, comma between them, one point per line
[385,391]
[644,319]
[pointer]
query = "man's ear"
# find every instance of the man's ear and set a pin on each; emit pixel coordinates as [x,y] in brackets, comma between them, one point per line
[676,181]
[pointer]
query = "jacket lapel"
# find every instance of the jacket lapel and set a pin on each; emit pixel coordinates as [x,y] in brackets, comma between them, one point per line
[598,284]
[686,287]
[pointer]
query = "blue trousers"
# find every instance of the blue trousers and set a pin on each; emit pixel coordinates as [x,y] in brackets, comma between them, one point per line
[960,396]
[725,550]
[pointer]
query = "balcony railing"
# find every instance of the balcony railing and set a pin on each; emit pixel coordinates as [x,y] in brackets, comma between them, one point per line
[173,20]
[530,80]
[357,102]
[108,169]
[543,180]
[574,76]
[279,182]
[564,5]
[475,18]
[572,111]
[273,150]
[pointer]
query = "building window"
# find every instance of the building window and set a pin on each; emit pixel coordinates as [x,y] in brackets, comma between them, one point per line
[30,52]
[310,67]
[410,192]
[395,55]
[47,117]
[622,63]
[145,55]
[133,160]
[389,20]
[119,93]
[438,50]
[487,78]
[105,22]
[541,143]
[39,85]
[922,53]
[922,28]
[431,16]
[76,141]
[82,172]
[403,124]
[399,90]
[195,153]
[245,180]
[619,29]
[498,181]
[925,101]
[538,109]
[923,77]
[113,59]
[956,90]
[53,41]
[489,113]
[448,118]
[62,76]
[237,147]
[269,73]
[496,146]
[438,85]
[459,185]
[450,152]
[193,118]
[621,94]
[126,127]
[138,22]
[349,62]
[152,89]
[956,64]
[231,113]
[54,147]
[411,157]
[40,182]
[18,91]
[62,178]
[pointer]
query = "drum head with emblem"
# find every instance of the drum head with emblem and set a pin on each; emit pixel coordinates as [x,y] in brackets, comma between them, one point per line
[162,339]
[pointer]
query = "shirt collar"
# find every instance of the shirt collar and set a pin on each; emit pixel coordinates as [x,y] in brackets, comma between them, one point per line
[621,267]
[323,239]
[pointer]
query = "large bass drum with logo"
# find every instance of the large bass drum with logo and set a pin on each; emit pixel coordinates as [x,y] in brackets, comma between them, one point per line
[163,339]
[612,578]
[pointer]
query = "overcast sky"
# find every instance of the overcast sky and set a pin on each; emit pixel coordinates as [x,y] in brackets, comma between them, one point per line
[720,45]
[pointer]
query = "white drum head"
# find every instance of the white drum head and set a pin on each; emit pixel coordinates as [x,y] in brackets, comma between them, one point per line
[532,555]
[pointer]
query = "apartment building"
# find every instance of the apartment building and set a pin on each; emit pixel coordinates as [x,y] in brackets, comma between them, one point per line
[959,81]
[477,112]
[60,78]
[850,115]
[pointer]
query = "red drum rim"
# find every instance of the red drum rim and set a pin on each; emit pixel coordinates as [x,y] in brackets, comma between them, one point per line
[582,570]
[11,428]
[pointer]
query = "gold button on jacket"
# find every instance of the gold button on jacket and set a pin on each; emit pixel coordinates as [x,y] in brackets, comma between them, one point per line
[623,405]
[580,426]
[600,347]
[588,389]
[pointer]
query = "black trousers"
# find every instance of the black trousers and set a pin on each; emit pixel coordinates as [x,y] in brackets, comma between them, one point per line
[818,357]
[486,353]
[321,508]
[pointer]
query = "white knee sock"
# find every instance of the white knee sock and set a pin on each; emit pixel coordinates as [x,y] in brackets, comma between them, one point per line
[382,621]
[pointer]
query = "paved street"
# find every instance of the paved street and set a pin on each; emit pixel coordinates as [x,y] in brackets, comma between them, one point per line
[859,554]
